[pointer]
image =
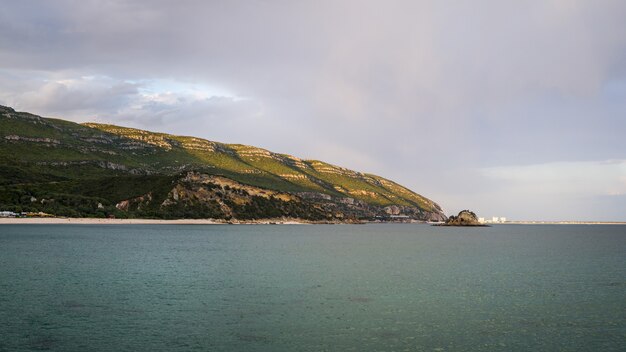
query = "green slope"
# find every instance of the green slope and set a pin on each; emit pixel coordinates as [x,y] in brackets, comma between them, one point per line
[63,156]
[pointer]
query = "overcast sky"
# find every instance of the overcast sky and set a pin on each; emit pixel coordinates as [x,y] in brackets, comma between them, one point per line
[508,108]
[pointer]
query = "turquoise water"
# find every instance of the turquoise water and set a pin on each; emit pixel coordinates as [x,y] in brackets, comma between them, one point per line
[312,288]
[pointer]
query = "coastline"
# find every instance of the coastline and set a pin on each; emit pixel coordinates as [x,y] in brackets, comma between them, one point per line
[280,221]
[100,221]
[562,223]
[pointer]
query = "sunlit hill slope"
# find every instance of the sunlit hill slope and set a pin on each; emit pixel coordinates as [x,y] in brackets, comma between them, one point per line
[90,169]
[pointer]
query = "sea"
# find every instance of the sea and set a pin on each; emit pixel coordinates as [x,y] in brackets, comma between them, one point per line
[374,287]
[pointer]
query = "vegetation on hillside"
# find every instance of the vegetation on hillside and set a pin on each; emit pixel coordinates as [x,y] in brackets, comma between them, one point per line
[70,169]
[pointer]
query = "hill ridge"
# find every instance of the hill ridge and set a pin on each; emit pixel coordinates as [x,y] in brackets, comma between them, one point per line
[58,149]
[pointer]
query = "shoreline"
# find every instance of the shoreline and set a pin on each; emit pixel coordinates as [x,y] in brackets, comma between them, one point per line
[100,221]
[279,221]
[561,223]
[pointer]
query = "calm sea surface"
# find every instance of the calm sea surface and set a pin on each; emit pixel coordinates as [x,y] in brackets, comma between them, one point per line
[312,288]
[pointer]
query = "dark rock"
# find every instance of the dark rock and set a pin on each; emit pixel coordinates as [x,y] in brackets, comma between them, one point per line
[464,218]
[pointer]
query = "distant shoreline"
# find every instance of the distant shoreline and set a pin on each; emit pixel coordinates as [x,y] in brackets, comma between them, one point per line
[101,221]
[561,223]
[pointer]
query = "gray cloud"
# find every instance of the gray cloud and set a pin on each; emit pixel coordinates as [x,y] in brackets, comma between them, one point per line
[424,92]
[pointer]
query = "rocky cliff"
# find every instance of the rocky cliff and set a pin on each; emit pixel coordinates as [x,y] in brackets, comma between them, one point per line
[71,163]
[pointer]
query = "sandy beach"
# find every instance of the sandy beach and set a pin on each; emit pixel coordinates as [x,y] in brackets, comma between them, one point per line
[99,221]
[562,223]
[91,221]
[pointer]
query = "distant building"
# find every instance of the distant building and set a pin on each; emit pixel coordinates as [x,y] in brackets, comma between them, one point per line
[7,214]
[492,220]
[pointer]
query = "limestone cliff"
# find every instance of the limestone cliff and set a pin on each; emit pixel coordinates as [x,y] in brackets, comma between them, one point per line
[82,165]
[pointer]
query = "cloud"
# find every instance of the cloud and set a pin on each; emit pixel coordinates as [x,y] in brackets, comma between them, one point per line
[566,187]
[149,104]
[66,94]
[422,92]
[585,178]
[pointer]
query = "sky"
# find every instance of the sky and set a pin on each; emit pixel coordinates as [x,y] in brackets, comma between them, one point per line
[507,108]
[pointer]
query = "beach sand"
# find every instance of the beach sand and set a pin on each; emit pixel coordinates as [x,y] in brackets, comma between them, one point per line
[91,221]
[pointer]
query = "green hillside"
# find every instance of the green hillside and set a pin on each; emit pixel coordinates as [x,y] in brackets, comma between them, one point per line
[44,157]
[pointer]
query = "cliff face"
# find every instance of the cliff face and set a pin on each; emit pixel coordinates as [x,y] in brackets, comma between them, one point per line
[44,155]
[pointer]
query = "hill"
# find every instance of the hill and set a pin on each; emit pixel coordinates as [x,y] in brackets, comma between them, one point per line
[90,169]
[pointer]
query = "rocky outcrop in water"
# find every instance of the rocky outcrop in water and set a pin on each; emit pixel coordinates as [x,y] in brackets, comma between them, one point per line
[464,218]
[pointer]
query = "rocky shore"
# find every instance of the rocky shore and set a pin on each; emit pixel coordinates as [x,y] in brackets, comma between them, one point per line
[464,218]
[101,221]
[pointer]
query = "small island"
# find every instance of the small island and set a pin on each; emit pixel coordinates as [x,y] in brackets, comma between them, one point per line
[464,218]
